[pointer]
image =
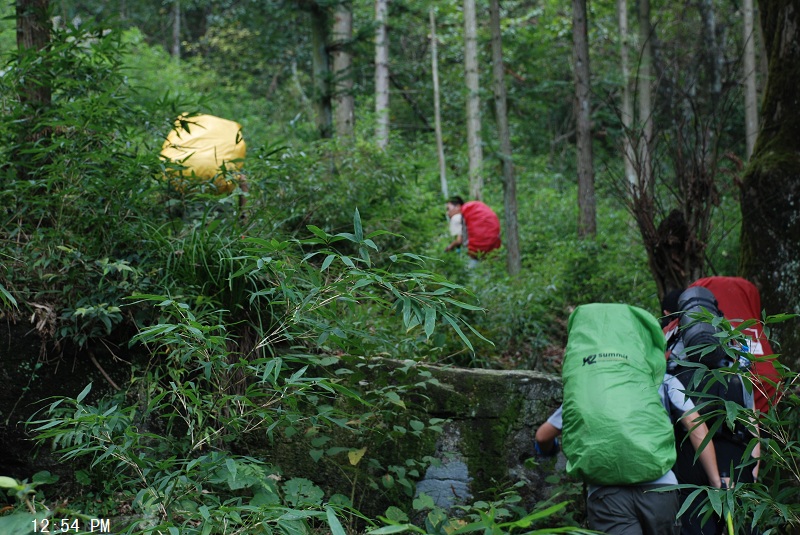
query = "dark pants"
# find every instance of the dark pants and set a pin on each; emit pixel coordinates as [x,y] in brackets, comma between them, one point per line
[691,520]
[634,510]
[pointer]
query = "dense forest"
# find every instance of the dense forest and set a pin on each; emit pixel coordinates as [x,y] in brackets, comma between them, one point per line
[629,149]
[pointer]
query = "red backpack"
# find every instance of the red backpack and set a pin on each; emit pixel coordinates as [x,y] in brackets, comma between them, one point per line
[483,227]
[738,300]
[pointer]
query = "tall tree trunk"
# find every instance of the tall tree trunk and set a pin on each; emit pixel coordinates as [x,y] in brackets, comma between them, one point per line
[645,112]
[627,97]
[176,29]
[770,238]
[437,112]
[35,90]
[322,70]
[587,220]
[33,35]
[513,260]
[381,74]
[343,70]
[750,94]
[713,52]
[475,150]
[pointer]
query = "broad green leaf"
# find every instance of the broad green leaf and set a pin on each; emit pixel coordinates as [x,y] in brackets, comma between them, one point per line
[399,528]
[357,226]
[84,393]
[458,330]
[355,456]
[6,296]
[318,232]
[395,398]
[777,318]
[716,501]
[8,483]
[327,262]
[333,522]
[19,523]
[430,321]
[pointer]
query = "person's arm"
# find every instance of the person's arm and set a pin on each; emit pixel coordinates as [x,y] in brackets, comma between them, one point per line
[545,438]
[708,457]
[756,454]
[453,244]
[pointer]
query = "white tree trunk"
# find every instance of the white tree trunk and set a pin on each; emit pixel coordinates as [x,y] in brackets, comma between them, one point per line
[627,97]
[473,101]
[750,94]
[437,115]
[342,71]
[513,261]
[645,186]
[587,220]
[381,74]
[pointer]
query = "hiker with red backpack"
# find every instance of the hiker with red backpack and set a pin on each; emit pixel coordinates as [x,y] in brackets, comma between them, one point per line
[473,224]
[713,377]
[738,300]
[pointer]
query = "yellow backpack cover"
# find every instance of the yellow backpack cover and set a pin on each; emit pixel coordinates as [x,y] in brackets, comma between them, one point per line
[204,148]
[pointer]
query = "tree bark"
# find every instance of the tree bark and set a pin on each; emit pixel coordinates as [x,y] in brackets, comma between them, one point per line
[645,139]
[475,149]
[750,93]
[381,74]
[322,70]
[343,71]
[513,260]
[713,51]
[437,112]
[33,36]
[587,220]
[770,238]
[627,98]
[176,29]
[35,88]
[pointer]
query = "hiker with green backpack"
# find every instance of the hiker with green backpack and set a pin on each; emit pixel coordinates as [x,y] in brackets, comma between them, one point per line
[616,430]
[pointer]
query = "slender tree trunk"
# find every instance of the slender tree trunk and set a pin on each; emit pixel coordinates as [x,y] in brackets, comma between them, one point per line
[33,35]
[644,86]
[750,94]
[437,113]
[587,225]
[513,260]
[343,70]
[627,97]
[770,238]
[35,89]
[381,74]
[322,70]
[176,29]
[713,52]
[473,101]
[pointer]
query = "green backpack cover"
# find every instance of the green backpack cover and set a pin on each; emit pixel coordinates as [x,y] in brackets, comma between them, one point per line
[616,430]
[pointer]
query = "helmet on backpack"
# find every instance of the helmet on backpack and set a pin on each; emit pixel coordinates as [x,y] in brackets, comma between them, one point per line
[698,335]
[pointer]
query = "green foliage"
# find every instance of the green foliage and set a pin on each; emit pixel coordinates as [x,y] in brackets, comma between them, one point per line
[771,502]
[167,441]
[246,313]
[26,494]
[497,517]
